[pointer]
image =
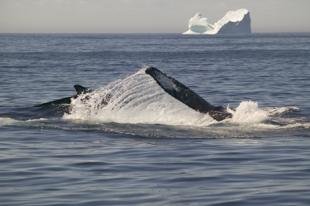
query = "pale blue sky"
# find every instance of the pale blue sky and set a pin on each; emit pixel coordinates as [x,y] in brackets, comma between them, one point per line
[113,16]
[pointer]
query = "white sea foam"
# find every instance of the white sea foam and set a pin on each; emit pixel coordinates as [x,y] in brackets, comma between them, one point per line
[248,112]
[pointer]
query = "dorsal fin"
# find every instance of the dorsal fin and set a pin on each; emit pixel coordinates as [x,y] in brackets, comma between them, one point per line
[80,89]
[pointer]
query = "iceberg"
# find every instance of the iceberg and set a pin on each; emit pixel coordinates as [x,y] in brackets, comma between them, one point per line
[234,22]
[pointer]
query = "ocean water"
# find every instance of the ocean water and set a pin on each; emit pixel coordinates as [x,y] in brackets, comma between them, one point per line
[145,147]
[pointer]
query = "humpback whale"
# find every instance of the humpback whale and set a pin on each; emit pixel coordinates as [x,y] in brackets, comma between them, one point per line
[63,105]
[170,85]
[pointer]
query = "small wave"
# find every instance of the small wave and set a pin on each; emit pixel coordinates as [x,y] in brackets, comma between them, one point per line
[249,114]
[305,125]
[37,120]
[7,121]
[280,110]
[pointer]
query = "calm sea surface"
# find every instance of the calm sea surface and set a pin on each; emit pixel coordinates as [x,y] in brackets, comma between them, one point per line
[260,157]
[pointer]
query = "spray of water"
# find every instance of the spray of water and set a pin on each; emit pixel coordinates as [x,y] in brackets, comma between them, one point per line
[248,112]
[139,99]
[135,99]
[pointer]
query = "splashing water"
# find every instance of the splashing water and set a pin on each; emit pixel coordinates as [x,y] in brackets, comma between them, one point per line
[135,99]
[248,113]
[139,99]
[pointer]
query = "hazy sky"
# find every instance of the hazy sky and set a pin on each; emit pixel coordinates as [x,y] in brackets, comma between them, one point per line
[113,16]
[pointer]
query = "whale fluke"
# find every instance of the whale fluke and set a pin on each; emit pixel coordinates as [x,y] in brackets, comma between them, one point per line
[185,95]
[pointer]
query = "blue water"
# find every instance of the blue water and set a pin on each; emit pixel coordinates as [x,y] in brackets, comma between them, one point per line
[51,160]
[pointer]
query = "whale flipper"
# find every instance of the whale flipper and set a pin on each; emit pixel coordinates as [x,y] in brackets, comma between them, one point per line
[185,95]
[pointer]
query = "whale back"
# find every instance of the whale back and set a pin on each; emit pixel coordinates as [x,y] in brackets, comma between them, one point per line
[64,102]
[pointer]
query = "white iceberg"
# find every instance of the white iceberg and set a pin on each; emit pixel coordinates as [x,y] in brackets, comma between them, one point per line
[234,22]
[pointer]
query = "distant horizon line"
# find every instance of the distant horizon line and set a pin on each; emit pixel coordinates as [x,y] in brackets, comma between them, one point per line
[153,33]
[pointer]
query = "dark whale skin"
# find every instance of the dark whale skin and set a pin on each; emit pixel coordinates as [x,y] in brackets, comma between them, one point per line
[185,95]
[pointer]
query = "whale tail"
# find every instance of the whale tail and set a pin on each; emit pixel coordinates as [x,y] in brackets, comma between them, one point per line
[185,95]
